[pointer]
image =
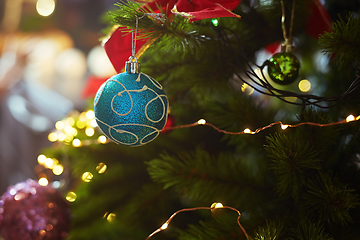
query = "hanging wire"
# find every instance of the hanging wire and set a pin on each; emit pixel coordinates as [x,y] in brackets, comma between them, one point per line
[258,80]
[287,39]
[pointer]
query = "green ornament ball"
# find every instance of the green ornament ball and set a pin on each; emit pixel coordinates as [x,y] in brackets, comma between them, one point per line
[283,68]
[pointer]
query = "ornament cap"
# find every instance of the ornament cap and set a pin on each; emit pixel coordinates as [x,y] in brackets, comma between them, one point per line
[286,47]
[132,66]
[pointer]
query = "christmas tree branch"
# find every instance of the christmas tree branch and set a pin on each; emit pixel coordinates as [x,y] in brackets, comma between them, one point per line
[343,42]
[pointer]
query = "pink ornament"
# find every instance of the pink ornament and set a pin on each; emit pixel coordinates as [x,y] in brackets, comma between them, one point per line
[29,211]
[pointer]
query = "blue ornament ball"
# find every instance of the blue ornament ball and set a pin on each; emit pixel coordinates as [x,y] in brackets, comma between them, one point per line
[131,109]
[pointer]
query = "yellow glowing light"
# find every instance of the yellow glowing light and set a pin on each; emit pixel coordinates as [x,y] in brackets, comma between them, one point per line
[247,130]
[201,122]
[284,126]
[93,123]
[61,137]
[350,118]
[102,139]
[59,125]
[245,88]
[45,7]
[101,168]
[89,131]
[76,142]
[43,181]
[87,176]
[42,233]
[291,99]
[164,226]
[49,163]
[70,121]
[358,118]
[80,124]
[68,138]
[41,159]
[68,129]
[90,114]
[304,85]
[52,137]
[217,205]
[71,196]
[58,169]
[111,217]
[82,117]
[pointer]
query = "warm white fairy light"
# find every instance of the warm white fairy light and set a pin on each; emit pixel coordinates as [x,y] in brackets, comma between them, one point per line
[41,159]
[247,130]
[45,7]
[58,169]
[102,139]
[43,181]
[201,121]
[291,99]
[59,125]
[71,196]
[80,124]
[304,85]
[89,131]
[218,205]
[93,123]
[164,226]
[101,168]
[245,88]
[87,176]
[213,206]
[53,137]
[61,137]
[49,163]
[76,142]
[284,126]
[111,217]
[90,114]
[350,118]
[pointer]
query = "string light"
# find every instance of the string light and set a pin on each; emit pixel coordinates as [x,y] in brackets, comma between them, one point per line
[41,159]
[76,142]
[283,126]
[71,197]
[350,118]
[88,123]
[213,207]
[87,176]
[58,169]
[45,7]
[101,168]
[43,181]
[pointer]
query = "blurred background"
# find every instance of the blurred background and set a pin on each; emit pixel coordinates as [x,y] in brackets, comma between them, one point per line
[49,51]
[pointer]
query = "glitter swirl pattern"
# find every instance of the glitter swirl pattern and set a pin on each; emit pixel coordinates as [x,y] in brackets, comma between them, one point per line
[131,109]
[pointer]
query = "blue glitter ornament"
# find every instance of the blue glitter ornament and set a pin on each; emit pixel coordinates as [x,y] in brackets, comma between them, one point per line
[131,108]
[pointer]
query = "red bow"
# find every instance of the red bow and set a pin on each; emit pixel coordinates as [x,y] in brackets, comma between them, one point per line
[196,10]
[118,47]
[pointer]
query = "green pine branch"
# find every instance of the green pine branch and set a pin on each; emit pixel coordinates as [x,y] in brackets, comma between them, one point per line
[328,198]
[307,229]
[204,177]
[174,34]
[343,43]
[273,230]
[222,225]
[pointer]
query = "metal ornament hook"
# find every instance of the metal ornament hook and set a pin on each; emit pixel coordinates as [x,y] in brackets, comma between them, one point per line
[132,66]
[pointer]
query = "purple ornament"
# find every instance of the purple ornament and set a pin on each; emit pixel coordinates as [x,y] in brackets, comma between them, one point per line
[29,211]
